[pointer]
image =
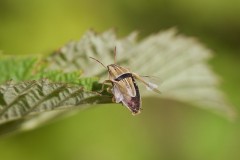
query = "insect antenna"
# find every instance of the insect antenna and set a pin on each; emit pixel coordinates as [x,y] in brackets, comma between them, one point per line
[98,62]
[115,55]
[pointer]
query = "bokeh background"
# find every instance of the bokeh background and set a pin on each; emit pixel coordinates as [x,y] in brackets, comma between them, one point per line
[166,129]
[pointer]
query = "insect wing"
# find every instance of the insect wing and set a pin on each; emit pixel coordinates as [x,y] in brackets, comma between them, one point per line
[125,95]
[133,104]
[117,94]
[149,85]
[127,87]
[152,86]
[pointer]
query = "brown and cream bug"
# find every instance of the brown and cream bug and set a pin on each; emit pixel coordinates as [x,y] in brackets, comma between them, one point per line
[124,86]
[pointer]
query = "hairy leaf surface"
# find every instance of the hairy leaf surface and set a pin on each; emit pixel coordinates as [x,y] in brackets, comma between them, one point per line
[180,62]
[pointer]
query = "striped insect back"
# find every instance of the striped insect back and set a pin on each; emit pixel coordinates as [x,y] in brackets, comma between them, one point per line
[128,91]
[124,87]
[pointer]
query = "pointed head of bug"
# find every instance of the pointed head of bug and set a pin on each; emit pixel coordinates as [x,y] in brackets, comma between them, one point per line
[111,67]
[112,70]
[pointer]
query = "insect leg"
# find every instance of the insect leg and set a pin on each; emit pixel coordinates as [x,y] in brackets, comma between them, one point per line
[104,83]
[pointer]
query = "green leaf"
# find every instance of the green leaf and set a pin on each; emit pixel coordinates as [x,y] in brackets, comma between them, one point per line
[75,55]
[25,80]
[12,68]
[67,78]
[24,101]
[58,76]
[180,63]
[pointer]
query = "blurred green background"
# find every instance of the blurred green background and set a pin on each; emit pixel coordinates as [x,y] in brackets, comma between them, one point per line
[165,130]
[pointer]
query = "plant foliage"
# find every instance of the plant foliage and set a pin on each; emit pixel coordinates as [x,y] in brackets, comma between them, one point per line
[67,78]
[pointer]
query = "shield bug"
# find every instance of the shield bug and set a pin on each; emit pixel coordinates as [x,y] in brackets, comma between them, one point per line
[124,86]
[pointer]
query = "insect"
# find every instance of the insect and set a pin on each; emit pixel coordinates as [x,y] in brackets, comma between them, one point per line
[124,86]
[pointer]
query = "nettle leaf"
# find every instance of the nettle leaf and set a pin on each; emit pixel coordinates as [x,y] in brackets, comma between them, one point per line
[16,68]
[23,101]
[180,63]
[25,97]
[67,78]
[58,76]
[75,55]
